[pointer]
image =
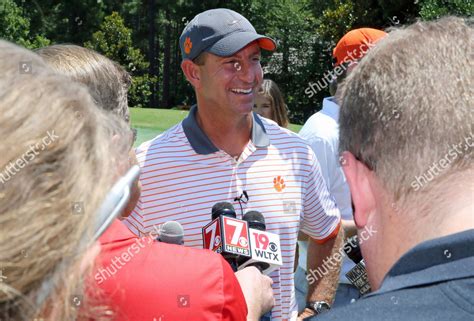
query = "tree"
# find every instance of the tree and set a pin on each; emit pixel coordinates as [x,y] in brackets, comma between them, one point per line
[114,40]
[15,27]
[433,9]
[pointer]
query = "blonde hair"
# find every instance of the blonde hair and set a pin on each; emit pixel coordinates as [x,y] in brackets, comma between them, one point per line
[409,102]
[107,81]
[270,90]
[58,139]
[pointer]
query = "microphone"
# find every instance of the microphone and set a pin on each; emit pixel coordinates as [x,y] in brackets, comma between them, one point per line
[226,234]
[358,274]
[224,209]
[171,232]
[265,246]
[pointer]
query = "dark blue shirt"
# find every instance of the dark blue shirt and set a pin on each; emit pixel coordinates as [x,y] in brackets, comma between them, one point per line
[433,281]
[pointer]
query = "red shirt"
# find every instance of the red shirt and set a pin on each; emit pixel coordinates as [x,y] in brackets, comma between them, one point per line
[148,280]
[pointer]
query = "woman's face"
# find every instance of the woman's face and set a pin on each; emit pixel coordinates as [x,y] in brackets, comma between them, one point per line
[263,106]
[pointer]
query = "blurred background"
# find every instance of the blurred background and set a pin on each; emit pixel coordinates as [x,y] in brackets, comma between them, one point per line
[142,35]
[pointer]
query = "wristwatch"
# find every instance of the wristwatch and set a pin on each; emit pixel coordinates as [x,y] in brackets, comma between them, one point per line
[318,306]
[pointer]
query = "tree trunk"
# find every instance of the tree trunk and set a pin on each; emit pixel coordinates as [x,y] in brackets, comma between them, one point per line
[176,63]
[166,62]
[152,50]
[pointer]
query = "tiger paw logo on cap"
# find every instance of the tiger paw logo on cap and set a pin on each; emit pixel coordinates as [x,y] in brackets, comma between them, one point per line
[188,45]
[279,183]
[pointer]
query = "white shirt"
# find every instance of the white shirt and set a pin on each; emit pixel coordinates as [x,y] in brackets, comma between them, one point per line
[321,131]
[184,175]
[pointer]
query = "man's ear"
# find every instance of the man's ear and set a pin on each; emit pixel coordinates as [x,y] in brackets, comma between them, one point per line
[192,72]
[357,175]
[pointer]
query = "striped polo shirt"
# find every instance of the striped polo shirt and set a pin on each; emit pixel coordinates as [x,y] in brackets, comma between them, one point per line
[184,175]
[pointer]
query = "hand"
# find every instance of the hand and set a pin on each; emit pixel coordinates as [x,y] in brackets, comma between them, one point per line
[257,290]
[305,314]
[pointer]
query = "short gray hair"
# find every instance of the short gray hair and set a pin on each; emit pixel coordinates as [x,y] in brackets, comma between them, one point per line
[409,101]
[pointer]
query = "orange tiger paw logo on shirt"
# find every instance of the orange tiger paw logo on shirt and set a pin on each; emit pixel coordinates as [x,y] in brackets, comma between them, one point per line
[279,183]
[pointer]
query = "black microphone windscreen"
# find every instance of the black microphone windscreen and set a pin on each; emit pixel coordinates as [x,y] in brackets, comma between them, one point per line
[255,220]
[352,249]
[171,232]
[223,209]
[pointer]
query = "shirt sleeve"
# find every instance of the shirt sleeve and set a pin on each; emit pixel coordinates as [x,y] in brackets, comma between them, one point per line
[234,306]
[321,217]
[333,175]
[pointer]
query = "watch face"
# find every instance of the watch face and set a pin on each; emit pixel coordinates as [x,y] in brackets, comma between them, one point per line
[318,306]
[322,307]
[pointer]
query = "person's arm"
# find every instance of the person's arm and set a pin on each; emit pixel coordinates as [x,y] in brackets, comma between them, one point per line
[257,290]
[322,222]
[350,229]
[324,265]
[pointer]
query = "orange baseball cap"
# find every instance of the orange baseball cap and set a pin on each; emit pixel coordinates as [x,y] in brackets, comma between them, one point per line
[355,44]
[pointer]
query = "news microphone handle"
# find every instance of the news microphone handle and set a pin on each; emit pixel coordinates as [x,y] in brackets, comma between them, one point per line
[226,234]
[358,274]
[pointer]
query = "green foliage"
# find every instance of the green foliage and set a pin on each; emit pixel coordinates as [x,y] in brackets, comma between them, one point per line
[336,20]
[141,90]
[15,27]
[142,36]
[433,9]
[114,40]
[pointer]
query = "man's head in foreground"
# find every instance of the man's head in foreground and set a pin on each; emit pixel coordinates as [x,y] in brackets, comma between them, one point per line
[221,59]
[406,129]
[107,81]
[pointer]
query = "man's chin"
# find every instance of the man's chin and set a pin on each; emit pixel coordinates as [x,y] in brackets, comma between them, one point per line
[246,110]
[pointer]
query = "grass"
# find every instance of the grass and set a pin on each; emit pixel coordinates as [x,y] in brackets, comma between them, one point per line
[151,122]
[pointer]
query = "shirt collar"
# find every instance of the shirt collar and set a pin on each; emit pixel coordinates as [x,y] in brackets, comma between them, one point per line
[446,258]
[331,108]
[203,145]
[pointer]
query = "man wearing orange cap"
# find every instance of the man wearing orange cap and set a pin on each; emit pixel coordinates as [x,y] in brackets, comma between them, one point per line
[322,132]
[355,44]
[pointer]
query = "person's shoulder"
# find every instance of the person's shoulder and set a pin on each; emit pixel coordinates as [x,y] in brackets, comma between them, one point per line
[280,134]
[320,126]
[189,253]
[170,138]
[412,304]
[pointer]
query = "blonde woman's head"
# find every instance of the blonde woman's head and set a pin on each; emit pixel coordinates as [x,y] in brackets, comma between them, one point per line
[57,165]
[270,104]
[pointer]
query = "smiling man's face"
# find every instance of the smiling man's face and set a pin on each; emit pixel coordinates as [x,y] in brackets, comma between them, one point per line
[232,82]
